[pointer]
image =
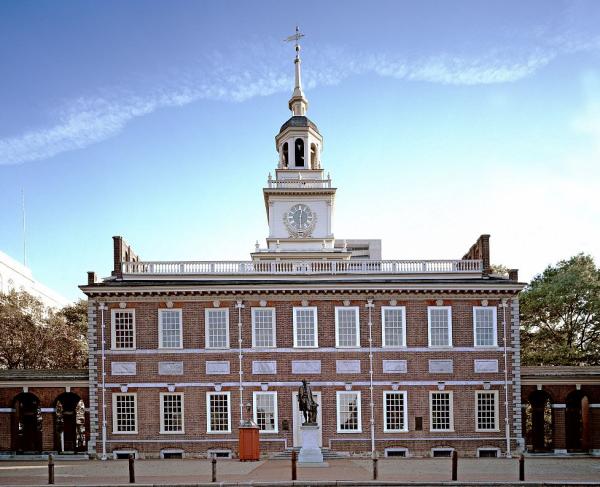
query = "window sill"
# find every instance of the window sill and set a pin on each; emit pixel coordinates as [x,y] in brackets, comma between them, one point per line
[124,432]
[218,432]
[172,432]
[441,431]
[395,431]
[346,432]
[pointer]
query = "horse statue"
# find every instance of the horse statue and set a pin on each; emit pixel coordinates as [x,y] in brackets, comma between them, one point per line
[307,403]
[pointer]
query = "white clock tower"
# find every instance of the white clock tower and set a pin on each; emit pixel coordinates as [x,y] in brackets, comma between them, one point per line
[299,200]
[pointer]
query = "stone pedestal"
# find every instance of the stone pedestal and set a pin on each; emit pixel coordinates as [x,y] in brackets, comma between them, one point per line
[309,438]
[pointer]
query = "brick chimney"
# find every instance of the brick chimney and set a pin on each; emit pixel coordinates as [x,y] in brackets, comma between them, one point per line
[122,252]
[480,250]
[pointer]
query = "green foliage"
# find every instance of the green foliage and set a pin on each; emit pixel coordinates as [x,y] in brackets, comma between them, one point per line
[560,315]
[35,337]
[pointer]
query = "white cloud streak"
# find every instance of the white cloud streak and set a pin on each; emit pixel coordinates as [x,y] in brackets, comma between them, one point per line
[91,119]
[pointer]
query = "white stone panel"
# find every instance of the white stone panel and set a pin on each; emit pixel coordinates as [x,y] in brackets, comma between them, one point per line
[347,366]
[394,366]
[221,367]
[306,367]
[170,368]
[441,367]
[264,367]
[123,368]
[486,366]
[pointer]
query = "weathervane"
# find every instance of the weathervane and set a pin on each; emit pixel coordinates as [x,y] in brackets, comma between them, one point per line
[296,37]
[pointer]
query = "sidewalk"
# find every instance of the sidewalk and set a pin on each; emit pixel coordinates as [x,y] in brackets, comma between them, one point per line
[181,472]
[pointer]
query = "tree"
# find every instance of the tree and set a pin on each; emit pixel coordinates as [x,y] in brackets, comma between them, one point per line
[560,315]
[35,337]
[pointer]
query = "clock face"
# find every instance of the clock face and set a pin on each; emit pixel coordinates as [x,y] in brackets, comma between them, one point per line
[300,220]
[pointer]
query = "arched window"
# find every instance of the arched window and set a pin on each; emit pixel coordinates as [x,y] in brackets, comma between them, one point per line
[299,146]
[285,153]
[313,156]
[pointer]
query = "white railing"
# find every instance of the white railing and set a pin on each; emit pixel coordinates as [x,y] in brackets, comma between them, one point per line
[303,267]
[299,183]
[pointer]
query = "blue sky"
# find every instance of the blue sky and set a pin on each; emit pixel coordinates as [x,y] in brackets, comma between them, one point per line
[155,121]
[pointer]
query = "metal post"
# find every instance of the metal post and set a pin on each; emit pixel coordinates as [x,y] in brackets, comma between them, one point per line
[521,468]
[214,468]
[131,468]
[506,421]
[375,472]
[454,465]
[239,307]
[294,453]
[370,307]
[103,457]
[50,469]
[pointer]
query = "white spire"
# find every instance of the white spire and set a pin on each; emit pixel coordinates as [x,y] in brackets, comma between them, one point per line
[298,103]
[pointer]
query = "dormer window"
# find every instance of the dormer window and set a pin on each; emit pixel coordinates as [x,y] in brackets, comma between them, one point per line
[285,153]
[299,146]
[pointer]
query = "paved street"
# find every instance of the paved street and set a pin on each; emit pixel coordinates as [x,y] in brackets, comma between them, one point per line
[199,471]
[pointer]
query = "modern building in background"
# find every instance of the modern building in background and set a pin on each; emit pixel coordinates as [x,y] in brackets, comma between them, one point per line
[405,357]
[15,276]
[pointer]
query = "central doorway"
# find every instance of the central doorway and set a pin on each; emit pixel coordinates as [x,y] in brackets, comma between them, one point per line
[27,427]
[298,418]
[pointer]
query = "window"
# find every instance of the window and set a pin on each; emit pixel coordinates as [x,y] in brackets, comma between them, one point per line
[348,412]
[394,411]
[285,154]
[441,411]
[486,407]
[263,327]
[484,326]
[441,452]
[305,327]
[217,327]
[171,412]
[218,412]
[396,452]
[169,328]
[346,327]
[265,411]
[393,326]
[299,152]
[440,326]
[123,329]
[488,452]
[125,413]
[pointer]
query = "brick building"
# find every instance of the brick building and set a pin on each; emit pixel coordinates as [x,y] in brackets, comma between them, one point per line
[405,357]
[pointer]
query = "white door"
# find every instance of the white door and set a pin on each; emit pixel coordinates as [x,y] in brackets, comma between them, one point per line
[299,417]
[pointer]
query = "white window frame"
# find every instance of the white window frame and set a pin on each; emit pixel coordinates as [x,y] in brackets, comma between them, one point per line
[113,332]
[213,393]
[404,415]
[316,332]
[274,334]
[495,325]
[160,328]
[496,411]
[275,410]
[162,413]
[357,326]
[383,337]
[338,395]
[207,311]
[115,423]
[449,308]
[450,394]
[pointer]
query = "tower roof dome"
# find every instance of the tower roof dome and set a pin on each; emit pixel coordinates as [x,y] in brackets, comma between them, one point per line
[299,121]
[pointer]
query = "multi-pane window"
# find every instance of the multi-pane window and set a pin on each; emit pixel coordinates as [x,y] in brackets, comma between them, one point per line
[348,412]
[486,407]
[346,327]
[263,327]
[440,326]
[305,327]
[123,329]
[218,412]
[394,411]
[484,326]
[171,412]
[265,411]
[169,328]
[393,325]
[217,328]
[441,411]
[125,413]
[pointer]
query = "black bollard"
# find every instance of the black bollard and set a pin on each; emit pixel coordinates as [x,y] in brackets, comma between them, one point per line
[454,465]
[214,468]
[131,468]
[375,472]
[294,453]
[521,468]
[50,469]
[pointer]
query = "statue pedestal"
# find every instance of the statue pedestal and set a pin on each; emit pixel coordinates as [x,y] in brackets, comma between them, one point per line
[310,451]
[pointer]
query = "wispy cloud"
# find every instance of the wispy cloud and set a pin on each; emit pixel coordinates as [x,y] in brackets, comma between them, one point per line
[90,119]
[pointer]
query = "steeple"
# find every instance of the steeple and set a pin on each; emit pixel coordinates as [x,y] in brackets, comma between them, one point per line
[298,103]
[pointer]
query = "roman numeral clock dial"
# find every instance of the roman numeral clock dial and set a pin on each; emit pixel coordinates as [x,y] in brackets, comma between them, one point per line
[300,220]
